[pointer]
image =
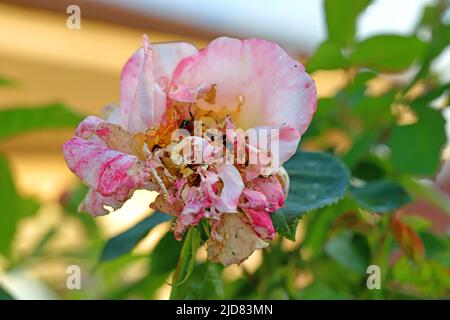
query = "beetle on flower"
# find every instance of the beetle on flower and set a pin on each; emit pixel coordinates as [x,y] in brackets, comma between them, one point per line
[172,96]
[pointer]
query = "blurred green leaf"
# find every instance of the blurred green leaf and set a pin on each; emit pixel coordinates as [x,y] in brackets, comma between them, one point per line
[71,200]
[126,241]
[327,57]
[14,207]
[387,52]
[350,250]
[205,282]
[10,214]
[319,290]
[435,246]
[6,82]
[375,112]
[427,280]
[369,169]
[341,19]
[316,180]
[164,257]
[416,148]
[433,20]
[360,148]
[4,295]
[41,245]
[381,196]
[163,260]
[22,119]
[186,263]
[426,98]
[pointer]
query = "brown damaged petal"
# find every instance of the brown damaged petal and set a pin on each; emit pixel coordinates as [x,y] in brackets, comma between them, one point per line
[119,139]
[233,240]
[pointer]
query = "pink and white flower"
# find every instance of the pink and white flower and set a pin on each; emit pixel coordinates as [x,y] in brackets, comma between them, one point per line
[245,84]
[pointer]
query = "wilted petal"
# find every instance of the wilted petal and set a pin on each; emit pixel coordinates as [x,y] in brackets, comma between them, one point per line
[94,203]
[261,223]
[86,129]
[271,188]
[233,240]
[256,78]
[162,205]
[110,172]
[117,138]
[114,136]
[256,207]
[232,188]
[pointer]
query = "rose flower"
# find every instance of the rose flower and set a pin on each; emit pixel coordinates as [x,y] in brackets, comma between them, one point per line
[208,130]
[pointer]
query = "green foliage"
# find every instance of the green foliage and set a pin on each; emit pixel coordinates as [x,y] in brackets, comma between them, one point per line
[381,196]
[416,148]
[316,180]
[341,19]
[125,242]
[387,52]
[350,250]
[381,157]
[19,119]
[204,282]
[5,81]
[186,264]
[327,57]
[14,207]
[5,295]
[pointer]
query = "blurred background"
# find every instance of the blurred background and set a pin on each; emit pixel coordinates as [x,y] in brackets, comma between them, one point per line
[44,64]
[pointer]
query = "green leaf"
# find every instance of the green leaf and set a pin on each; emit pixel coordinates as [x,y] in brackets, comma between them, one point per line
[360,148]
[164,257]
[316,180]
[433,19]
[381,196]
[429,96]
[375,112]
[126,241]
[321,222]
[25,119]
[186,263]
[4,295]
[341,19]
[327,57]
[205,282]
[286,221]
[387,52]
[13,207]
[163,260]
[6,82]
[416,148]
[319,290]
[350,250]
